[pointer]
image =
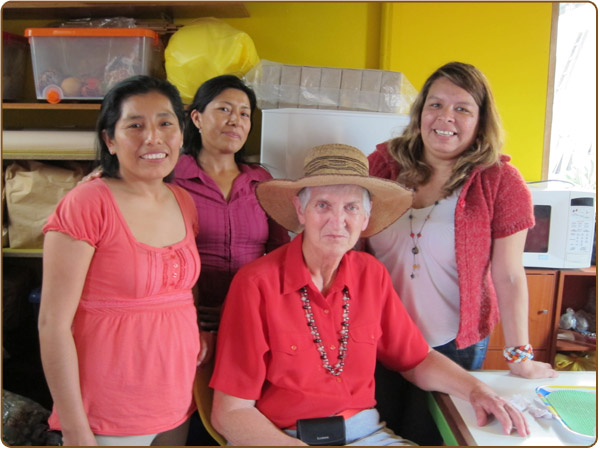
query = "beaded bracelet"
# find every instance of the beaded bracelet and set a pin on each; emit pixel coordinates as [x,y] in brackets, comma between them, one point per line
[518,354]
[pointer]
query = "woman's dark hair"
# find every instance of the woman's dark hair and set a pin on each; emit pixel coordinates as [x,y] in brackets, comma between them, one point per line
[110,113]
[206,93]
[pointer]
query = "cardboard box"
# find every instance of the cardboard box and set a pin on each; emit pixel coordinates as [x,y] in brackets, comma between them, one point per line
[310,81]
[290,82]
[329,91]
[370,90]
[350,88]
[330,88]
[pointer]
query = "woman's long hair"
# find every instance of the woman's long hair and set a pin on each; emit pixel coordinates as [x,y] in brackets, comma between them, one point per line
[408,149]
[206,93]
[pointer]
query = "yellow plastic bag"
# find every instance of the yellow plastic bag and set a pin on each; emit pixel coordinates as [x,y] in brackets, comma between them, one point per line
[576,361]
[205,49]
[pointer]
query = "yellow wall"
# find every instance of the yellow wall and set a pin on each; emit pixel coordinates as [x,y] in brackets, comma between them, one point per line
[334,34]
[509,42]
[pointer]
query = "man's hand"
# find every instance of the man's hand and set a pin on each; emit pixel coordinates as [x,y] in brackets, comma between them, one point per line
[486,402]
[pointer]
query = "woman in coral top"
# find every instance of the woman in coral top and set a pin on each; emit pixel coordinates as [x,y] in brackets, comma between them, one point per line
[456,256]
[118,330]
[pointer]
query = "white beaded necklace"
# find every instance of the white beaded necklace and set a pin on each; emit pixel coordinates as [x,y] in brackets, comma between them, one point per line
[343,348]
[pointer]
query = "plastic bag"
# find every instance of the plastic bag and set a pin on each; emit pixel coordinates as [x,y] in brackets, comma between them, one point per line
[205,49]
[576,361]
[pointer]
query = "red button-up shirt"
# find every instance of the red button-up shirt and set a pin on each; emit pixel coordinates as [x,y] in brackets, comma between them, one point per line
[265,350]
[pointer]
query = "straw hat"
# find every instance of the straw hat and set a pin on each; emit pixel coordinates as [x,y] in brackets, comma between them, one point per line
[335,164]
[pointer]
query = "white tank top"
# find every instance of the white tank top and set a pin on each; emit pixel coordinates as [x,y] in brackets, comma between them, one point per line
[432,296]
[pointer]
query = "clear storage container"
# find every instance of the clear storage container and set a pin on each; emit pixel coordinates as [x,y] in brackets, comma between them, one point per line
[84,63]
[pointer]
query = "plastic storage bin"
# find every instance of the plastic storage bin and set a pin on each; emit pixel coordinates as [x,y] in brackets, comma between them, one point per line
[84,63]
[14,63]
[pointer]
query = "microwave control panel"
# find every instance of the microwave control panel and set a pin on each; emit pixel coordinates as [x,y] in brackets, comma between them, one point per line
[581,229]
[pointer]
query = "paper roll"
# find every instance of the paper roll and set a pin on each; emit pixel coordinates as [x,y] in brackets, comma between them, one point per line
[48,140]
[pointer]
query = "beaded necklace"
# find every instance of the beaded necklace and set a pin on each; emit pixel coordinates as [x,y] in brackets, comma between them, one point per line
[415,237]
[343,348]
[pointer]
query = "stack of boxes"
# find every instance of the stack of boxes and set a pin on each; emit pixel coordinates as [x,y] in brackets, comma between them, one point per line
[290,86]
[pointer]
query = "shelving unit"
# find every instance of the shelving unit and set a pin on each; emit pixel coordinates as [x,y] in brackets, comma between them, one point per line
[551,292]
[576,288]
[30,113]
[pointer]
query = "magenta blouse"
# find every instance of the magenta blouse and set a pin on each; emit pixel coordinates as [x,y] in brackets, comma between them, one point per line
[231,233]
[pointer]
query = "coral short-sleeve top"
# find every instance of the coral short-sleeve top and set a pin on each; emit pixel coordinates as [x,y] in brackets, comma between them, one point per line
[135,328]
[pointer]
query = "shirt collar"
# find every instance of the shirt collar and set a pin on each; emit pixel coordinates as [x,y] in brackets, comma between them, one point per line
[187,168]
[296,274]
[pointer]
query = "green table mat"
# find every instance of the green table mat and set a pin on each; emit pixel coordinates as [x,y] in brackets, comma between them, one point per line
[577,409]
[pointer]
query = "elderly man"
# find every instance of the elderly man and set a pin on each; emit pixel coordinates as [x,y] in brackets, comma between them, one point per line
[303,326]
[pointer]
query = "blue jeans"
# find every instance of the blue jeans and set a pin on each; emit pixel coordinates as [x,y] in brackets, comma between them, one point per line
[470,358]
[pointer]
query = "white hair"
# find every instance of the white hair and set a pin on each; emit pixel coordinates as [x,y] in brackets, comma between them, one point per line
[305,193]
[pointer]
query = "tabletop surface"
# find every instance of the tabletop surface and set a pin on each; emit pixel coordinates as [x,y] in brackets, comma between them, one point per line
[543,432]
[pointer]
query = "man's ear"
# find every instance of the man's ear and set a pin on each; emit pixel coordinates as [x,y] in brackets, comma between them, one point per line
[299,211]
[367,217]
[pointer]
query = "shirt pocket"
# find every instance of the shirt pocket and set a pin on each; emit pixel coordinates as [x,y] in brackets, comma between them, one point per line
[292,344]
[362,350]
[294,361]
[365,334]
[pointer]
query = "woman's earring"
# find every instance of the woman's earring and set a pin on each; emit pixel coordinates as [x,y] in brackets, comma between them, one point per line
[199,131]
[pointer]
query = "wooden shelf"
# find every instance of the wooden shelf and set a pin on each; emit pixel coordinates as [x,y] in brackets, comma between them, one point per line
[571,346]
[22,252]
[88,155]
[64,106]
[44,10]
[52,107]
[586,271]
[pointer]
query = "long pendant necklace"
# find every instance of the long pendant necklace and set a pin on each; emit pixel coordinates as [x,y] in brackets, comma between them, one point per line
[343,340]
[415,237]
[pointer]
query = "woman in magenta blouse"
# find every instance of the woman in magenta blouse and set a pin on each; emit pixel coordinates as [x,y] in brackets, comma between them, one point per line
[234,229]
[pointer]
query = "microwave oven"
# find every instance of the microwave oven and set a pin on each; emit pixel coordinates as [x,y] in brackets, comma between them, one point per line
[563,235]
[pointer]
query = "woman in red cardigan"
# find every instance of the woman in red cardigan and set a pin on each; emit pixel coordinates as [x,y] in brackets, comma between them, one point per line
[456,256]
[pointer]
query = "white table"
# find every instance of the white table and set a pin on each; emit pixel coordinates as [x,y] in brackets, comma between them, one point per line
[459,416]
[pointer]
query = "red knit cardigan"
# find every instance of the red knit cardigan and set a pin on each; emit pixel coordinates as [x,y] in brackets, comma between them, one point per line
[493,203]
